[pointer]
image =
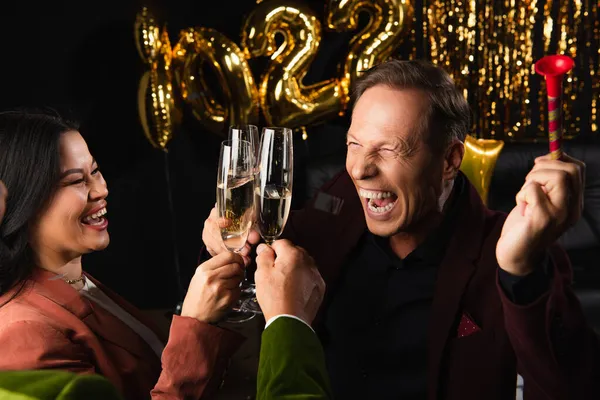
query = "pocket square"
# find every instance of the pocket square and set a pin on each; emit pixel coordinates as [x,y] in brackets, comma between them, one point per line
[467,326]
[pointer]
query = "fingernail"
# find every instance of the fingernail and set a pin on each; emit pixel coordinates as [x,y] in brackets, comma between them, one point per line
[261,247]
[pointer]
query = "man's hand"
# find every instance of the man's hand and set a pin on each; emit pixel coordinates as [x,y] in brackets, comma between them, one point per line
[214,288]
[550,201]
[288,282]
[211,236]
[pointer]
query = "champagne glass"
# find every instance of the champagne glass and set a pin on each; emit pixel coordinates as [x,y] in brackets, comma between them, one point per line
[249,133]
[273,189]
[235,203]
[274,182]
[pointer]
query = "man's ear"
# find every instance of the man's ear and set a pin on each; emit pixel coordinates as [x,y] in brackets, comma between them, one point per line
[452,159]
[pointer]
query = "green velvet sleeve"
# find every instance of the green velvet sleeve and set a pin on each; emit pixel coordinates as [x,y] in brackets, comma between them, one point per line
[54,385]
[292,363]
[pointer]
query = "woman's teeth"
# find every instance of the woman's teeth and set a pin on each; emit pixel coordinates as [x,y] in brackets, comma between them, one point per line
[95,218]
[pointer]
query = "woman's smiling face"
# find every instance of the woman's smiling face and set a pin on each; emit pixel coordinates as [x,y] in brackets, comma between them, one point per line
[73,223]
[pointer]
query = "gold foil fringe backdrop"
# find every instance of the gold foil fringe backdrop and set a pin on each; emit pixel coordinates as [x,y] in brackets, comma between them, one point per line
[489,47]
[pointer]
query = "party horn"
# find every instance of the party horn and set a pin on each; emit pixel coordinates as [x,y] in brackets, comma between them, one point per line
[553,68]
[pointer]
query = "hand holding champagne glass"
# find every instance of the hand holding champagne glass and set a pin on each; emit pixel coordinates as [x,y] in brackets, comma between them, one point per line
[235,202]
[273,190]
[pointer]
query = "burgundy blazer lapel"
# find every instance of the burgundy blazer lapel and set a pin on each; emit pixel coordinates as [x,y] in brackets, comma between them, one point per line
[329,238]
[346,229]
[454,274]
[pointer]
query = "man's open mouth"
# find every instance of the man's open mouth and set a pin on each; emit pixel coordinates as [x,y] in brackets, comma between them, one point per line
[379,202]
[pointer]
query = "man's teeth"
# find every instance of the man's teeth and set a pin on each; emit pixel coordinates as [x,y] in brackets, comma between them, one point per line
[94,216]
[383,209]
[374,195]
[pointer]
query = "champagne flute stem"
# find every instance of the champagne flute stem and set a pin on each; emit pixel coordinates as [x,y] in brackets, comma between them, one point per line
[239,251]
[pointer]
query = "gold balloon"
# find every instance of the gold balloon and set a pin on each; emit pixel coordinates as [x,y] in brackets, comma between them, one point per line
[147,36]
[198,47]
[479,162]
[285,101]
[389,20]
[157,108]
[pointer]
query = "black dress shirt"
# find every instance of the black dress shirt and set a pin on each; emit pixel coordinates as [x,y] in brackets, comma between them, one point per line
[376,322]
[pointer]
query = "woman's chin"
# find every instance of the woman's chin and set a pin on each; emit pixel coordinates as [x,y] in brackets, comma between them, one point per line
[98,245]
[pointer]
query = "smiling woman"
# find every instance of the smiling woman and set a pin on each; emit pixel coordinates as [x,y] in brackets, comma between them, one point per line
[54,316]
[73,223]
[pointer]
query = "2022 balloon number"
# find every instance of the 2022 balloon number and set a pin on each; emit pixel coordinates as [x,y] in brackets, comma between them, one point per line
[279,93]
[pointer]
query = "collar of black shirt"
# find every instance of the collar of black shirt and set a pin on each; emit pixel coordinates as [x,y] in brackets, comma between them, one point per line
[432,250]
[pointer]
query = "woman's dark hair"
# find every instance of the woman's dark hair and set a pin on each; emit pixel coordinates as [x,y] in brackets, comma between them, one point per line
[30,169]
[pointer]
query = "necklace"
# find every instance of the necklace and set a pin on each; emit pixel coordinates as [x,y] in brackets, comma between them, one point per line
[73,281]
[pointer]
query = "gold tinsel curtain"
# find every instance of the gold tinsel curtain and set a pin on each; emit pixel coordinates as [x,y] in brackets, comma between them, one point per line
[489,47]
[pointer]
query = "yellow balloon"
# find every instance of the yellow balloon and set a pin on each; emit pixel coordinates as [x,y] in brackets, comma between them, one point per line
[284,99]
[158,110]
[198,47]
[479,162]
[147,36]
[389,21]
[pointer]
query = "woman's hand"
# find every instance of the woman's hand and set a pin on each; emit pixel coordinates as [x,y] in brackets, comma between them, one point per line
[211,236]
[214,288]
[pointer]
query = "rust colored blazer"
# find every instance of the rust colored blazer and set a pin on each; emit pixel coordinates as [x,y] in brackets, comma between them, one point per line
[548,341]
[49,325]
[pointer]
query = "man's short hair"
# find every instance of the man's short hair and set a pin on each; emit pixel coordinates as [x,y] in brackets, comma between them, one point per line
[448,115]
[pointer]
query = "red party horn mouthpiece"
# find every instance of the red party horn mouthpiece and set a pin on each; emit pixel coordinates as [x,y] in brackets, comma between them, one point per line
[553,68]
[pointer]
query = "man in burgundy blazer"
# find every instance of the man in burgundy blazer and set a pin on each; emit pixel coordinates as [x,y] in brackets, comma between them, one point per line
[548,341]
[422,309]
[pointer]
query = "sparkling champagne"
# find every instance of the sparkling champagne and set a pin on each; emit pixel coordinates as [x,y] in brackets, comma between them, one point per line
[236,199]
[273,207]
